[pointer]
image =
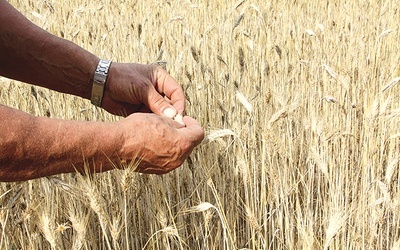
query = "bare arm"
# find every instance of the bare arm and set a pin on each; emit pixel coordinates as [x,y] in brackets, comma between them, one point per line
[31,54]
[33,147]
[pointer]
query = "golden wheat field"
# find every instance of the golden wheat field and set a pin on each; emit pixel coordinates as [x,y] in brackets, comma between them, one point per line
[301,107]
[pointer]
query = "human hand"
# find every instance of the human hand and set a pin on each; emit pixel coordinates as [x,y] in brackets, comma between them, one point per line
[160,144]
[135,87]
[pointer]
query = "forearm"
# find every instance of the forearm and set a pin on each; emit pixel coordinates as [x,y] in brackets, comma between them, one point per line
[31,54]
[32,147]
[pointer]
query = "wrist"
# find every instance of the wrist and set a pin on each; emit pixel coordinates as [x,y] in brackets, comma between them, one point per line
[130,143]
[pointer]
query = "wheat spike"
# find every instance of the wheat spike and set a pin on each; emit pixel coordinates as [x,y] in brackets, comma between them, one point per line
[336,222]
[203,207]
[390,84]
[195,54]
[246,104]
[213,135]
[242,62]
[79,225]
[329,99]
[385,33]
[48,229]
[330,71]
[310,32]
[252,219]
[390,170]
[237,21]
[320,162]
[239,3]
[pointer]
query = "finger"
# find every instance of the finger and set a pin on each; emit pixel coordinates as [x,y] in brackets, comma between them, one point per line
[121,109]
[159,105]
[167,99]
[193,129]
[169,122]
[167,85]
[150,170]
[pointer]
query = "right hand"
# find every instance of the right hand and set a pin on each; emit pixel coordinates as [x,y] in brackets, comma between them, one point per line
[159,143]
[133,87]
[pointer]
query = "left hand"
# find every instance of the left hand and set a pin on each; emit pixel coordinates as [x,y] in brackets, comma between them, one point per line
[158,144]
[132,87]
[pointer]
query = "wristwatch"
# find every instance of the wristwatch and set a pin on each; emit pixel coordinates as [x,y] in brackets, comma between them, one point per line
[99,81]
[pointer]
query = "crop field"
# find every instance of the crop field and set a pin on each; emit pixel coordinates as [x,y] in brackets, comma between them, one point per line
[301,107]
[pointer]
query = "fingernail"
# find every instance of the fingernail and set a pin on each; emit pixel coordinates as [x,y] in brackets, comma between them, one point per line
[169,112]
[179,118]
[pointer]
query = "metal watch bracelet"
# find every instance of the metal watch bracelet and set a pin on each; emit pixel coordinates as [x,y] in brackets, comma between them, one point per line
[99,81]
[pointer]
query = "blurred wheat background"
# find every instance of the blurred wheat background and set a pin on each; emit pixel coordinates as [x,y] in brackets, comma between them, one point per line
[300,102]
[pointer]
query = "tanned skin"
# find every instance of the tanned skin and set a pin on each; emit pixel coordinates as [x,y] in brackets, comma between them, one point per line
[33,147]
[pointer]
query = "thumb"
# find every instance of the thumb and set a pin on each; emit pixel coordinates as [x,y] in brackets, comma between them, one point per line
[159,105]
[193,129]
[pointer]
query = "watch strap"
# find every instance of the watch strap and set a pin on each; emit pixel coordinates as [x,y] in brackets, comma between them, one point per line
[99,81]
